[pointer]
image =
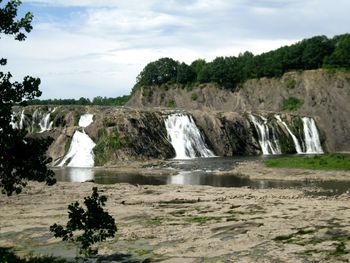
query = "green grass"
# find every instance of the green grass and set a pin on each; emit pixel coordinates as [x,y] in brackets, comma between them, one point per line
[156,221]
[319,162]
[292,103]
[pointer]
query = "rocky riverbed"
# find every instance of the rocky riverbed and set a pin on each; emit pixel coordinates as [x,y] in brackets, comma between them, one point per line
[177,223]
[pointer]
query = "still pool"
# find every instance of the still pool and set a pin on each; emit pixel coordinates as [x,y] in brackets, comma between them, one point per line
[200,171]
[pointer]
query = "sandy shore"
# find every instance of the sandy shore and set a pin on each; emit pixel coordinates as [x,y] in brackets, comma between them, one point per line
[189,223]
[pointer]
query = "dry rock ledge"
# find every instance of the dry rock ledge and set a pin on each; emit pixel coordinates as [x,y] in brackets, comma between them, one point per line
[177,223]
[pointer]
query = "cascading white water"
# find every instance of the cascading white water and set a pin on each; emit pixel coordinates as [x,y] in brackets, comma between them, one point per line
[295,139]
[45,124]
[80,153]
[21,121]
[18,123]
[312,140]
[42,119]
[185,137]
[85,120]
[268,144]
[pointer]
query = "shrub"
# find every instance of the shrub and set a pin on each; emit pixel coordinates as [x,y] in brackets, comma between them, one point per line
[194,96]
[171,103]
[292,103]
[86,227]
[290,83]
[107,144]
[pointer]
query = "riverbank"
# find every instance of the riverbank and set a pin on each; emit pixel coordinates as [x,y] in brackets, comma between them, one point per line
[257,170]
[176,223]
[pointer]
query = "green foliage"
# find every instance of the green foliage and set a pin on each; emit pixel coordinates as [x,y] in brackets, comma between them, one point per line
[194,96]
[158,72]
[101,101]
[171,103]
[8,256]
[319,162]
[290,83]
[108,144]
[109,122]
[340,58]
[315,51]
[230,72]
[222,71]
[8,23]
[292,103]
[87,227]
[197,66]
[204,76]
[21,158]
[340,250]
[185,74]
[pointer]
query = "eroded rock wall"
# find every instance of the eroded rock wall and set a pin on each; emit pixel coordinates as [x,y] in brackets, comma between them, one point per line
[326,97]
[125,134]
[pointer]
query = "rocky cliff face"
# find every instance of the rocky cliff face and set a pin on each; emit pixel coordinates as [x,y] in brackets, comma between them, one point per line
[120,134]
[325,96]
[126,134]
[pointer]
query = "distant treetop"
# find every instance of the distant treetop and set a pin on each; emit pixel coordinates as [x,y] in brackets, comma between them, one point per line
[229,72]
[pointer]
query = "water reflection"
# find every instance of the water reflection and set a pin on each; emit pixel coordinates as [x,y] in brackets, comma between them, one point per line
[72,174]
[184,177]
[192,172]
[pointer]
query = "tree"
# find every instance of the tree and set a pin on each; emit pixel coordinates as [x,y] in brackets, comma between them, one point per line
[198,66]
[204,75]
[229,72]
[185,74]
[86,227]
[340,58]
[158,72]
[21,158]
[316,49]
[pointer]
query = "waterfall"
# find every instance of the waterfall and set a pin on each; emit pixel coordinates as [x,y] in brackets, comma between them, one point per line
[269,144]
[185,137]
[312,141]
[45,124]
[21,121]
[85,120]
[43,120]
[80,153]
[295,139]
[13,123]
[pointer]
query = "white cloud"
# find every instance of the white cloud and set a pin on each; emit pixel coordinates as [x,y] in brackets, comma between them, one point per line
[101,46]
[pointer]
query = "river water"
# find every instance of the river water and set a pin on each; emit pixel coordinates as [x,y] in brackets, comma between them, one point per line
[199,171]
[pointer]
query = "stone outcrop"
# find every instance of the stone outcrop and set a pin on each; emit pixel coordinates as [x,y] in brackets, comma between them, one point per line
[326,97]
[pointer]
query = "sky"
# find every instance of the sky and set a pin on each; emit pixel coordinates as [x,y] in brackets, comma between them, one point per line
[89,48]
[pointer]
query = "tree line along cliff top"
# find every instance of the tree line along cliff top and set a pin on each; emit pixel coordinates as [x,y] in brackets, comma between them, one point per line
[229,72]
